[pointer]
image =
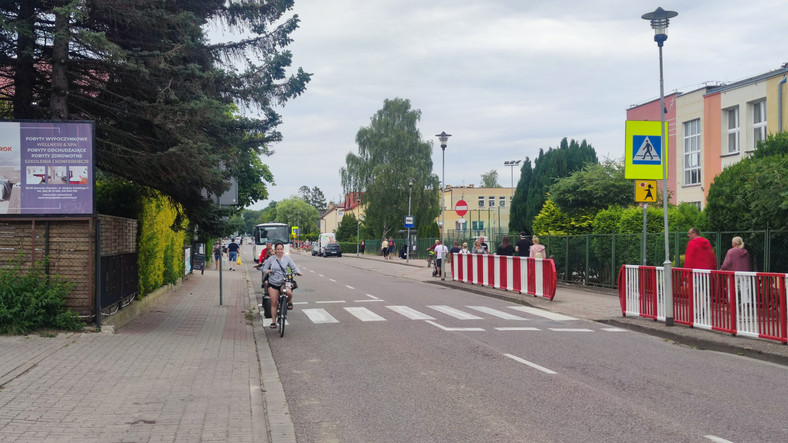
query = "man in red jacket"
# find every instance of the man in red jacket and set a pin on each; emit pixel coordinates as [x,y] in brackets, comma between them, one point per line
[700,254]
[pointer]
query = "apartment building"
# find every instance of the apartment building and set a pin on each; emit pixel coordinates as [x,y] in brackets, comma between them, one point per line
[716,126]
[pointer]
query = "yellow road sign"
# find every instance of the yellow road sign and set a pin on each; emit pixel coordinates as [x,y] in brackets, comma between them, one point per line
[646,191]
[644,150]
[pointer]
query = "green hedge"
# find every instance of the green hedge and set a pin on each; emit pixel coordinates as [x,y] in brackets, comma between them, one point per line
[160,247]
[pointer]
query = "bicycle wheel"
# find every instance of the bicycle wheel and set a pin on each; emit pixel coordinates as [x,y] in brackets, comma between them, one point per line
[282,314]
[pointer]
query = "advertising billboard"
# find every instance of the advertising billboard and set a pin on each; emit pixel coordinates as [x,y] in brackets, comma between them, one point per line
[46,168]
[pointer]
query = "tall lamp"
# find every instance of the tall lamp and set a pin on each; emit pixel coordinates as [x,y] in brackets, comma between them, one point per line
[410,192]
[659,21]
[443,137]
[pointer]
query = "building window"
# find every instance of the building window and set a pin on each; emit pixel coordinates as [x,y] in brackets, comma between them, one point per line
[733,130]
[481,202]
[492,202]
[758,122]
[477,225]
[502,202]
[692,152]
[696,204]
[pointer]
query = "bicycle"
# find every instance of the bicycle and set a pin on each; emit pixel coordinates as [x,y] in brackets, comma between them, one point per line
[281,310]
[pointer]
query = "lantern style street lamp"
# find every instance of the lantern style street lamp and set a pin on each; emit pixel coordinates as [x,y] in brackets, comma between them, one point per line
[659,21]
[443,137]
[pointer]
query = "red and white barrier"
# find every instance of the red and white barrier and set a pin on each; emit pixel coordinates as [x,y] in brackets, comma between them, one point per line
[751,304]
[532,276]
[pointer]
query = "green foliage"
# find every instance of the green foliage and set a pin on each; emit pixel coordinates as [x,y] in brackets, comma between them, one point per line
[534,184]
[294,211]
[120,198]
[390,151]
[165,100]
[594,187]
[348,247]
[490,179]
[743,196]
[160,247]
[29,300]
[346,231]
[552,220]
[775,144]
[428,231]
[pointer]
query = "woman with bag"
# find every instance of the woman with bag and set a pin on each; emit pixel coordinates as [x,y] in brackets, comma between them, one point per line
[276,269]
[537,250]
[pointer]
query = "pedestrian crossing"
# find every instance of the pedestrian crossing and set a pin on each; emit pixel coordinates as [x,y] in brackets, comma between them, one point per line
[322,313]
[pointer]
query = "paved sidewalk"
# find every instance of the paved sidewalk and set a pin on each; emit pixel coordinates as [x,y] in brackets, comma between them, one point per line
[187,370]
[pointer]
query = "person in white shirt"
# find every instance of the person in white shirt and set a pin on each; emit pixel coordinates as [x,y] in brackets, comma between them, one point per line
[440,251]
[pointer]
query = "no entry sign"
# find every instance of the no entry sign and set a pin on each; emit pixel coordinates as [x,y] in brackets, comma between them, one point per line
[461,207]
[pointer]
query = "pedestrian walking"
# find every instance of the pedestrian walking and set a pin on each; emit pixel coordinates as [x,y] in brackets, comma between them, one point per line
[217,254]
[737,258]
[537,250]
[523,246]
[232,253]
[505,248]
[699,254]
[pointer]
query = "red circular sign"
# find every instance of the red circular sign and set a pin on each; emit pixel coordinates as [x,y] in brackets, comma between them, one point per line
[461,207]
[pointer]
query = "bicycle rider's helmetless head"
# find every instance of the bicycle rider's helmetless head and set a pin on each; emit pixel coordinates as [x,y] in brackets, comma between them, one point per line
[279,249]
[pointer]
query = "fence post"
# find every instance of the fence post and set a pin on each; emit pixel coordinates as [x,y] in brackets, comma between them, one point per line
[613,259]
[588,256]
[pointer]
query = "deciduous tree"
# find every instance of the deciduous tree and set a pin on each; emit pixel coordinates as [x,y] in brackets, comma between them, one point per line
[390,151]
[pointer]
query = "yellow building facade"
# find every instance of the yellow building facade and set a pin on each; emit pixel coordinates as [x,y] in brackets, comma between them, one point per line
[488,211]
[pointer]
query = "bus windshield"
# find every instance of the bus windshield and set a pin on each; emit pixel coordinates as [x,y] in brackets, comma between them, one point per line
[271,232]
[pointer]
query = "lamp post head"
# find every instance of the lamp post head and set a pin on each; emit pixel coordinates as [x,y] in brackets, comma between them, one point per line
[660,19]
[410,182]
[443,137]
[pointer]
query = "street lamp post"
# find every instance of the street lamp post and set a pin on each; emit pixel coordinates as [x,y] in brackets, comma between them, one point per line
[410,192]
[512,164]
[358,222]
[443,137]
[659,22]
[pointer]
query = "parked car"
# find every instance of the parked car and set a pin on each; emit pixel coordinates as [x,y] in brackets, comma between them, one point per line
[332,249]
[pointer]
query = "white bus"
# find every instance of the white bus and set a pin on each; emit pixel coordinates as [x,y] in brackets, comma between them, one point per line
[269,232]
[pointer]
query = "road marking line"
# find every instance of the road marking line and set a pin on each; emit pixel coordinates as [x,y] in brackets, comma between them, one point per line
[410,313]
[614,330]
[497,313]
[300,302]
[518,329]
[331,279]
[543,313]
[349,287]
[364,314]
[321,275]
[319,315]
[455,329]
[330,301]
[456,313]
[311,271]
[372,296]
[570,330]
[366,301]
[716,439]
[528,363]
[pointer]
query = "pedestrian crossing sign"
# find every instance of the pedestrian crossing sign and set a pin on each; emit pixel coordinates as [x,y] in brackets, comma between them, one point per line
[645,151]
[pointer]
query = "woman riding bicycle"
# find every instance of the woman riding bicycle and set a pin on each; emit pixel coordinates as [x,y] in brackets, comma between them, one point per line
[276,268]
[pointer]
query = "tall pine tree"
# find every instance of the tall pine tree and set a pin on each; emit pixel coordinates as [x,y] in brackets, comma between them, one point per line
[531,192]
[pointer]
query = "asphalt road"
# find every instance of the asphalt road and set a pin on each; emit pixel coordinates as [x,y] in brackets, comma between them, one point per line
[372,357]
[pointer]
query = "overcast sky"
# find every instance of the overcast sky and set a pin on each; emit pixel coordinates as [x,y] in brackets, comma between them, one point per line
[504,77]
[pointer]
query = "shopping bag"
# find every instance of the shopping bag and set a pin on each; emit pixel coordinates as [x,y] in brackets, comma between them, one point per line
[238,261]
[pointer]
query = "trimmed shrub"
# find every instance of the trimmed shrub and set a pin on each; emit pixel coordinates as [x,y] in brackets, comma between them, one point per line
[30,301]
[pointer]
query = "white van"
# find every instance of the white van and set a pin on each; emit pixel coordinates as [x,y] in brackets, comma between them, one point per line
[322,241]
